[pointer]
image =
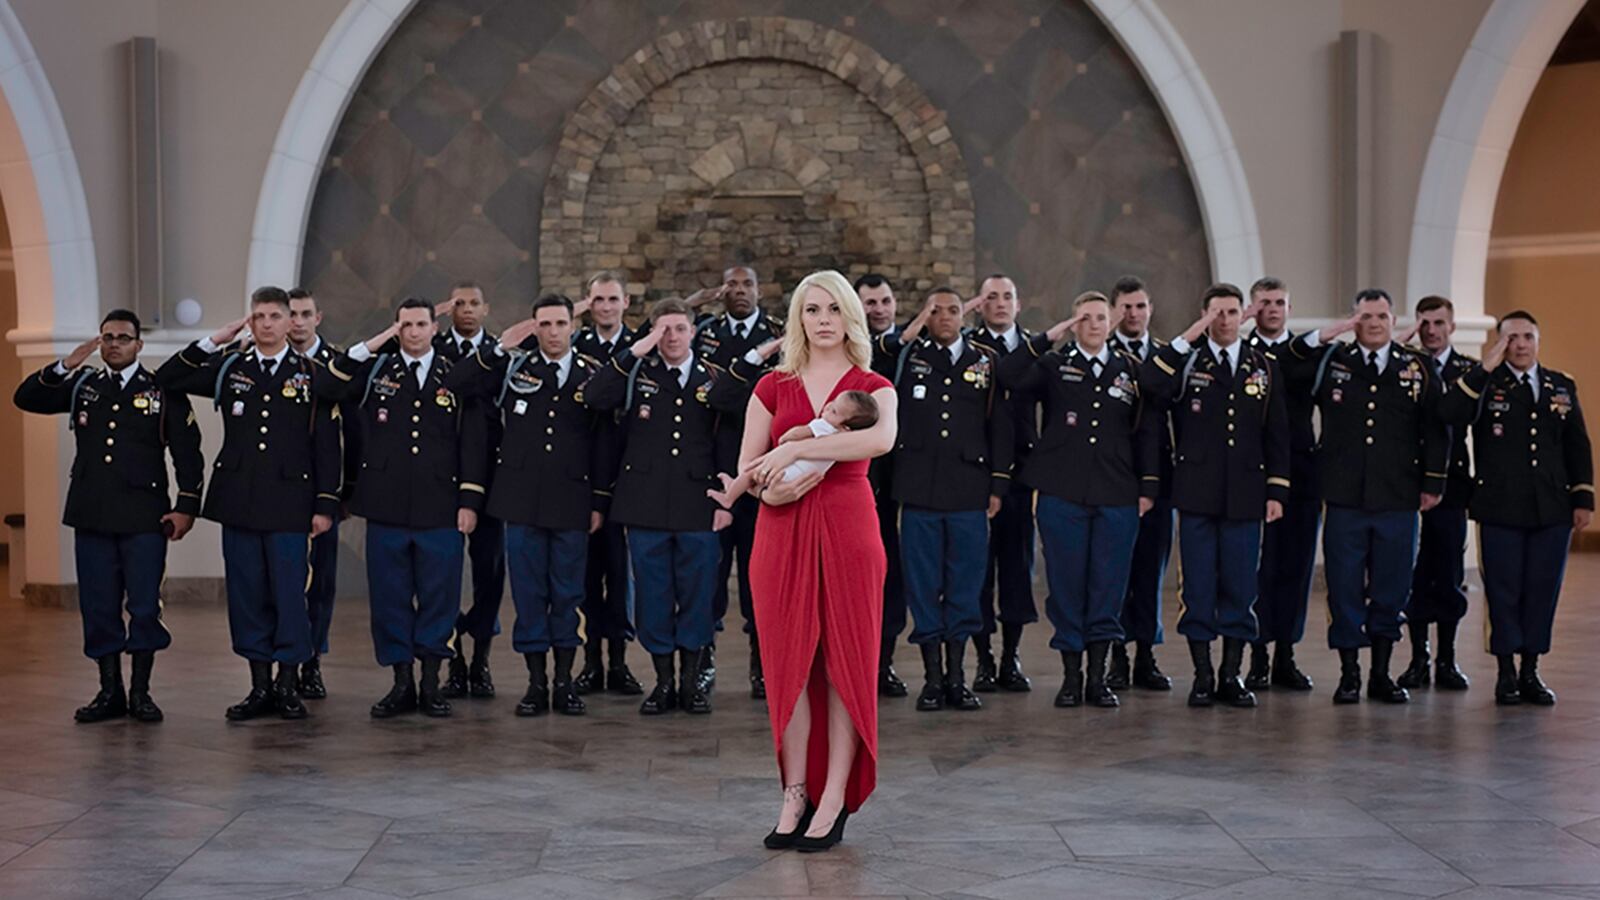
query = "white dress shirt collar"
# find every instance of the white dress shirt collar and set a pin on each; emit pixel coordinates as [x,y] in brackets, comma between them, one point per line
[1010,338]
[426,359]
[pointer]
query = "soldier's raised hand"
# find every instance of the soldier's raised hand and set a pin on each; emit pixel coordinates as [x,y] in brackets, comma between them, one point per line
[81,353]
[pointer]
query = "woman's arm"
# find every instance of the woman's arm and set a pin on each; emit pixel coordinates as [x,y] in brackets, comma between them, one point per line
[846,446]
[757,436]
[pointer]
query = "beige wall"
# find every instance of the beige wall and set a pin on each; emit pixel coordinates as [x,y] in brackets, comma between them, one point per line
[12,475]
[1545,245]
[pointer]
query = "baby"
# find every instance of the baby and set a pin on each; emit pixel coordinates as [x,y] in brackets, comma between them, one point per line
[850,411]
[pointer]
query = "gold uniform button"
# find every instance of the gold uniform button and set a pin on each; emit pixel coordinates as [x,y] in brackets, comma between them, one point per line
[944,398]
[947,381]
[677,435]
[1230,426]
[116,407]
[1533,447]
[549,448]
[1094,423]
[1371,405]
[263,429]
[416,434]
[1369,440]
[416,418]
[416,403]
[108,457]
[944,433]
[1230,414]
[1230,442]
[1093,439]
[944,415]
[674,451]
[552,414]
[262,445]
[1369,423]
[1530,430]
[1534,415]
[1372,389]
[1096,404]
[549,431]
[1535,463]
[415,449]
[110,441]
[678,401]
[111,425]
[674,418]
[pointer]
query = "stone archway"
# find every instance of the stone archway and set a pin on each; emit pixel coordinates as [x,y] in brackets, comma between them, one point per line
[568,247]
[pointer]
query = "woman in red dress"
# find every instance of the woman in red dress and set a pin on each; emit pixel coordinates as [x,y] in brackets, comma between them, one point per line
[818,565]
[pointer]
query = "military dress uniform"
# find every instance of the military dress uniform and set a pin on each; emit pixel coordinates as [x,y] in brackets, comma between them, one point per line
[1141,608]
[486,551]
[1533,469]
[1289,545]
[423,461]
[553,472]
[608,581]
[879,475]
[953,452]
[1438,583]
[1230,428]
[1008,575]
[1383,445]
[122,424]
[722,340]
[1097,455]
[324,556]
[278,467]
[668,463]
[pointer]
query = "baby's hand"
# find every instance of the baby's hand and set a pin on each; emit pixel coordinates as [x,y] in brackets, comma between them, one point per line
[797,433]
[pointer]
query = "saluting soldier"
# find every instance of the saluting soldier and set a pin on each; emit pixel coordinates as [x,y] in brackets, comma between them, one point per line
[661,390]
[1096,471]
[1534,486]
[420,490]
[608,584]
[551,487]
[1289,545]
[722,340]
[1141,608]
[468,308]
[276,478]
[879,304]
[1231,431]
[118,504]
[1008,577]
[304,319]
[952,467]
[1438,584]
[1382,456]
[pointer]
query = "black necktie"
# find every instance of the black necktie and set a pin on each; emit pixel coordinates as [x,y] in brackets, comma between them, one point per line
[1527,383]
[738,330]
[1227,363]
[269,366]
[414,366]
[466,348]
[1372,363]
[1137,347]
[552,371]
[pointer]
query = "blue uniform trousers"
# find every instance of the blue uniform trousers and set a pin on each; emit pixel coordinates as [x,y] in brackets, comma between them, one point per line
[608,585]
[1218,583]
[1087,551]
[547,569]
[1141,608]
[319,596]
[674,573]
[266,577]
[1288,561]
[112,567]
[1437,593]
[486,549]
[1008,579]
[1368,558]
[942,558]
[1522,570]
[414,578]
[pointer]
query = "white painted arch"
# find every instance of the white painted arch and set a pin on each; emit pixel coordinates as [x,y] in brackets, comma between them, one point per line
[1461,176]
[325,90]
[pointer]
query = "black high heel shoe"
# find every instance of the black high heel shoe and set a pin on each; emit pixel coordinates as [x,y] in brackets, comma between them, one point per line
[817,845]
[778,840]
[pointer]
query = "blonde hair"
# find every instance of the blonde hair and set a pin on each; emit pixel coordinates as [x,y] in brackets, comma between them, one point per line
[797,349]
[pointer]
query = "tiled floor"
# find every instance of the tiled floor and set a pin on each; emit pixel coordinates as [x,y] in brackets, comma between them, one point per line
[1448,796]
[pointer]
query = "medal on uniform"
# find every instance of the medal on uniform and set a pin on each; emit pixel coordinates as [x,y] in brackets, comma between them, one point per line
[520,407]
[289,391]
[1337,396]
[1251,390]
[238,407]
[383,415]
[1499,430]
[83,419]
[1072,418]
[1194,405]
[969,375]
[919,392]
[644,410]
[701,392]
[1114,392]
[140,403]
[442,397]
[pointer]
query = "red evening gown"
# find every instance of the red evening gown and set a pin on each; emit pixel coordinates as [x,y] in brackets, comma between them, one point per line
[817,570]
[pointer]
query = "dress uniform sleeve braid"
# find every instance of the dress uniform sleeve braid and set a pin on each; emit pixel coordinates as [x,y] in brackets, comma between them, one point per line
[472,454]
[327,468]
[192,371]
[1149,423]
[1576,450]
[1462,399]
[182,438]
[1276,435]
[1158,376]
[731,395]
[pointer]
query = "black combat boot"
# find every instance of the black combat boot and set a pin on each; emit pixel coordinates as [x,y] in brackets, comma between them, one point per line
[1011,677]
[402,698]
[1230,689]
[259,701]
[1147,675]
[1204,691]
[1531,686]
[1095,692]
[110,702]
[1285,673]
[1507,691]
[1418,674]
[1447,676]
[430,696]
[664,697]
[536,702]
[983,680]
[619,680]
[286,692]
[564,698]
[480,683]
[311,686]
[692,696]
[1379,685]
[1349,689]
[932,697]
[1259,678]
[956,693]
[593,676]
[140,706]
[1120,676]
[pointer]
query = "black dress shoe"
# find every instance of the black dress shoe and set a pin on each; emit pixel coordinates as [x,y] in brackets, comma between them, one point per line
[1259,678]
[401,699]
[783,840]
[311,686]
[480,683]
[140,707]
[286,692]
[1071,693]
[828,841]
[984,680]
[593,676]
[563,698]
[1507,692]
[1147,676]
[1285,674]
[1120,675]
[1417,675]
[758,678]
[110,702]
[932,697]
[1530,686]
[890,684]
[1448,677]
[430,699]
[1011,677]
[621,681]
[259,701]
[693,698]
[455,683]
[956,693]
[1203,692]
[664,697]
